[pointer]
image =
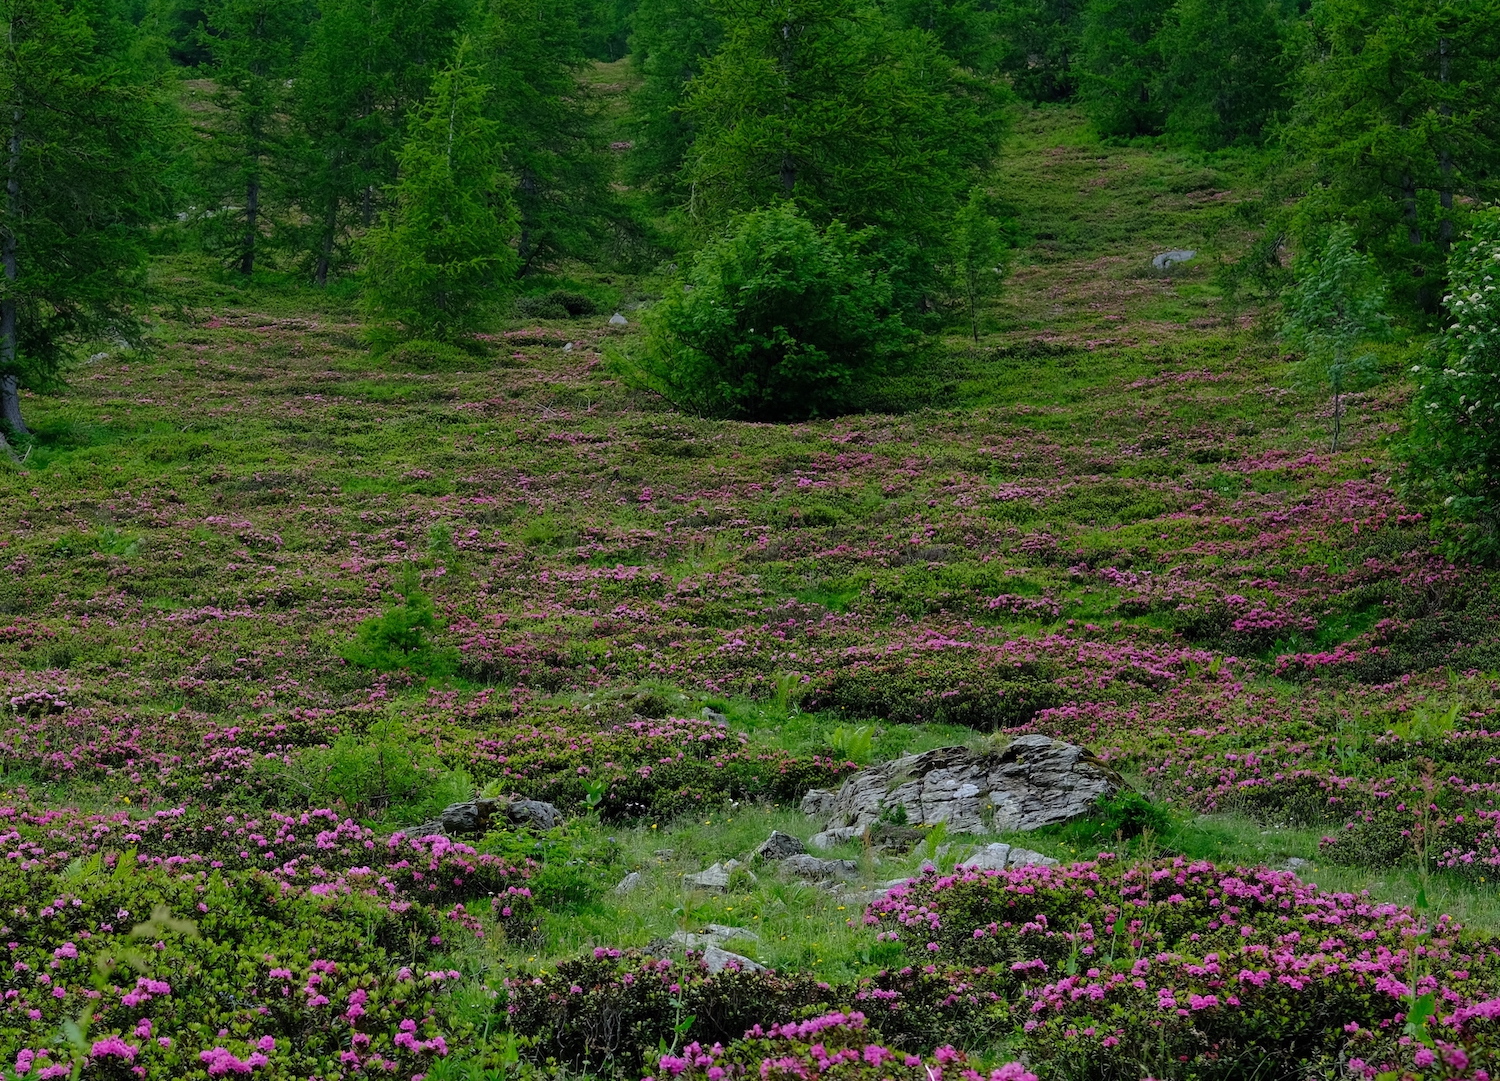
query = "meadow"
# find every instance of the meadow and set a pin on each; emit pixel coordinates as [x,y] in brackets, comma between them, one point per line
[1114,520]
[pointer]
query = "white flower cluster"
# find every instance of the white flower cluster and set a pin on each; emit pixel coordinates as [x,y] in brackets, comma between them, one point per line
[1466,385]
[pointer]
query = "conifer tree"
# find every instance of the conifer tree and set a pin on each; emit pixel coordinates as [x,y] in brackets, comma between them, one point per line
[549,130]
[670,43]
[981,251]
[1223,71]
[1337,303]
[1397,127]
[1119,66]
[254,45]
[368,65]
[84,138]
[440,259]
[821,103]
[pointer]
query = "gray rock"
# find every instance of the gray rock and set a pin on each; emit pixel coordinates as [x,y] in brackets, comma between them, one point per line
[1025,857]
[1167,259]
[568,347]
[829,838]
[711,715]
[818,869]
[1034,781]
[532,812]
[817,803]
[630,883]
[478,815]
[989,858]
[715,934]
[779,846]
[1297,863]
[618,320]
[717,877]
[714,878]
[718,960]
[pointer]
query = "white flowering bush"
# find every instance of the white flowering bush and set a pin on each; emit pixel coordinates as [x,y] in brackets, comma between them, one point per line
[1456,437]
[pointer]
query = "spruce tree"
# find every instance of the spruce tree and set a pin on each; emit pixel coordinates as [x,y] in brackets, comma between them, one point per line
[254,45]
[821,103]
[440,259]
[84,138]
[670,42]
[1224,71]
[1119,66]
[1397,128]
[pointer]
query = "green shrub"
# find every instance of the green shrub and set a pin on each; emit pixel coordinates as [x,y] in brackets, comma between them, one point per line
[776,321]
[940,692]
[427,356]
[557,304]
[399,640]
[1455,444]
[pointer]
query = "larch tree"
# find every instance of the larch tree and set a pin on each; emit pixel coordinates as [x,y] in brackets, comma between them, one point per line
[369,64]
[441,257]
[1397,127]
[823,104]
[549,132]
[85,137]
[254,45]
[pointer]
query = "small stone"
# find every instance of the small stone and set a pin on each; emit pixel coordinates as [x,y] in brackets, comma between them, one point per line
[820,870]
[1167,259]
[665,853]
[1296,863]
[724,932]
[715,878]
[779,846]
[714,716]
[630,883]
[618,320]
[568,348]
[718,960]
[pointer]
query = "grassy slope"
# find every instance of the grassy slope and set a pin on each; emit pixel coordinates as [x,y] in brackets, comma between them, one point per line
[261,465]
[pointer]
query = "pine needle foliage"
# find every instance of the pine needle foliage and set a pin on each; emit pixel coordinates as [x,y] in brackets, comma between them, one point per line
[440,262]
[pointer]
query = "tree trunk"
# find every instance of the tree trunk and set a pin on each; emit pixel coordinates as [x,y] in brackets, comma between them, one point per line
[252,215]
[325,253]
[526,244]
[10,394]
[1409,197]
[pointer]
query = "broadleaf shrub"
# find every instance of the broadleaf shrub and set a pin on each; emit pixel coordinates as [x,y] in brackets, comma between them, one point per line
[1455,444]
[776,320]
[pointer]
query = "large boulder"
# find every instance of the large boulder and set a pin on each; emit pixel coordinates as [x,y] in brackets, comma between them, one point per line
[1033,781]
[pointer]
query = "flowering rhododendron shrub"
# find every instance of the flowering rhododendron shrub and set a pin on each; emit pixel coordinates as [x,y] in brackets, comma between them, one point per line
[1133,971]
[295,945]
[835,1045]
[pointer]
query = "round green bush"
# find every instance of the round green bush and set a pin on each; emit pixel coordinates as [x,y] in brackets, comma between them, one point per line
[777,320]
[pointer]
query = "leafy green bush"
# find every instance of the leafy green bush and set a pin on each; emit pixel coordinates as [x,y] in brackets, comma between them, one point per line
[938,691]
[426,356]
[1455,444]
[400,639]
[776,321]
[557,304]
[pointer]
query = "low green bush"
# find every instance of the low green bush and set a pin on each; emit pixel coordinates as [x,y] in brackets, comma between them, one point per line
[400,640]
[776,320]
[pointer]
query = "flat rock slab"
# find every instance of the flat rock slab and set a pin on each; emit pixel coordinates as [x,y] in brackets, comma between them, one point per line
[716,879]
[820,870]
[1034,781]
[1167,259]
[999,857]
[479,815]
[718,959]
